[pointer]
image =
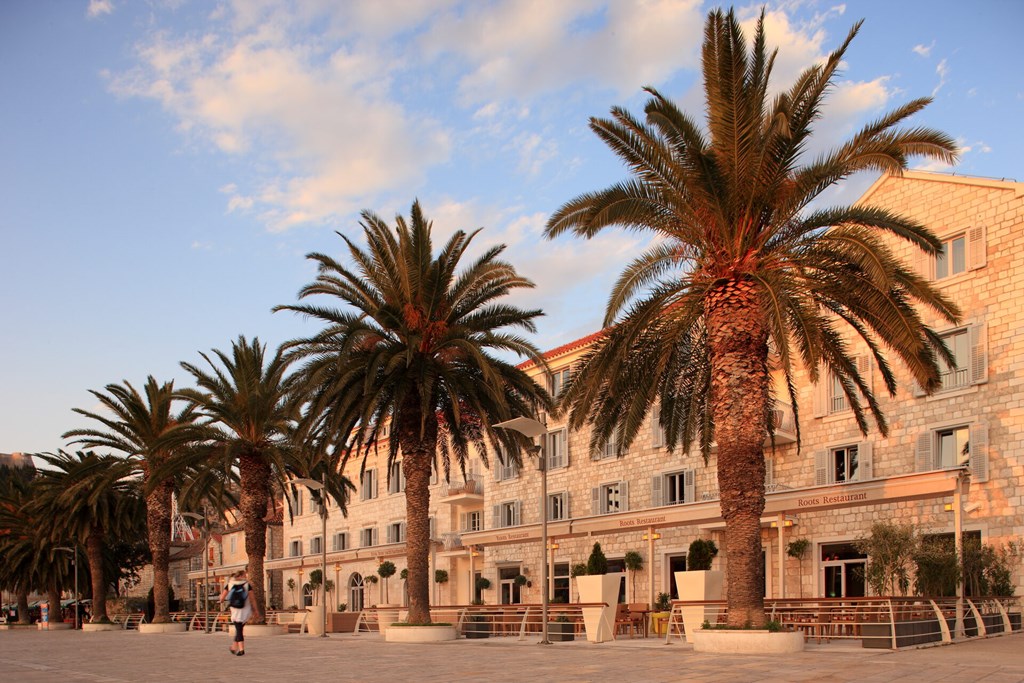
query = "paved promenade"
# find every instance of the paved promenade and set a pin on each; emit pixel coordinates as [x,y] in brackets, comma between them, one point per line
[115,657]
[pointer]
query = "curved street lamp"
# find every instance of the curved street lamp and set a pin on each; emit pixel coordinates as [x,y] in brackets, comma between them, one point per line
[74,559]
[206,564]
[314,485]
[533,429]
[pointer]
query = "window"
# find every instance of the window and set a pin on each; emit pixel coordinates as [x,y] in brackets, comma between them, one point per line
[506,514]
[340,541]
[559,379]
[560,579]
[396,532]
[969,347]
[959,253]
[609,498]
[472,521]
[952,258]
[368,491]
[316,545]
[848,462]
[657,431]
[556,449]
[610,449]
[829,396]
[298,503]
[673,488]
[508,470]
[558,506]
[234,544]
[295,549]
[396,479]
[368,537]
[836,395]
[954,446]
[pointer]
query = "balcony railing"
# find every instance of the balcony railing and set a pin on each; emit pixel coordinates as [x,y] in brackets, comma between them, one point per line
[451,541]
[469,487]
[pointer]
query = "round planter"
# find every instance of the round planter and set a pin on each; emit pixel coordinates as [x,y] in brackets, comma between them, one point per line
[259,630]
[387,615]
[419,634]
[744,642]
[93,628]
[170,627]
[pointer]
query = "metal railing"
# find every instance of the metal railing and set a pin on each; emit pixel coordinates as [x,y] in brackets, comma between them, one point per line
[471,621]
[884,622]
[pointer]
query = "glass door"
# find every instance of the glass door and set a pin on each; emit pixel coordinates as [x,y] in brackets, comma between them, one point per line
[842,571]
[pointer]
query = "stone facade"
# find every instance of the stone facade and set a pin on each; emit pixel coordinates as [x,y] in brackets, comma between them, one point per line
[984,404]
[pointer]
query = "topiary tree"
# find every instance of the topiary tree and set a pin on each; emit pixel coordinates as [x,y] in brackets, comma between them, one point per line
[290,583]
[890,548]
[578,569]
[597,563]
[798,548]
[634,563]
[386,570]
[700,555]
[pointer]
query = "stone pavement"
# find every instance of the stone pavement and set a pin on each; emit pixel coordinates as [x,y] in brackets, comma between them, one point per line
[115,657]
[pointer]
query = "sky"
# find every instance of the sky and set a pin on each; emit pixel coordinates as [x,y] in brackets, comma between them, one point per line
[166,165]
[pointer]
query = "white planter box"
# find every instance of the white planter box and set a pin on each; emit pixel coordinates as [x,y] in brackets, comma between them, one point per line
[92,628]
[315,620]
[419,634]
[600,621]
[702,585]
[170,627]
[387,615]
[747,642]
[259,630]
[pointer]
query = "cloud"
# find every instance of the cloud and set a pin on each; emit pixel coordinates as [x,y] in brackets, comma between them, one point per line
[922,50]
[316,114]
[98,8]
[521,49]
[943,71]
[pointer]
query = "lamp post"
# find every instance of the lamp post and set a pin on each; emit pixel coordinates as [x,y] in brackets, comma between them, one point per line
[337,585]
[321,486]
[533,429]
[206,564]
[74,560]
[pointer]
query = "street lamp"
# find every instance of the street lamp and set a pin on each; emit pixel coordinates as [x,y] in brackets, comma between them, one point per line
[206,565]
[337,585]
[74,559]
[533,429]
[321,486]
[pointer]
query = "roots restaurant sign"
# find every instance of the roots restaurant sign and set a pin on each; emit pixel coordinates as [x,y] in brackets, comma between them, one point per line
[834,499]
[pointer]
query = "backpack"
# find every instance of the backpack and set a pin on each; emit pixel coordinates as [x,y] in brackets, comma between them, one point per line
[237,596]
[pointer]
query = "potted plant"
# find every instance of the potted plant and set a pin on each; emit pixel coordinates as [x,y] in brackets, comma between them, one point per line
[522,582]
[634,562]
[577,570]
[561,629]
[475,625]
[662,612]
[798,548]
[699,583]
[440,578]
[387,613]
[598,586]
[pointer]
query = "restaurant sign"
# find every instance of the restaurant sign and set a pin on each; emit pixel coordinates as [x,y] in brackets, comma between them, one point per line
[641,521]
[833,499]
[513,537]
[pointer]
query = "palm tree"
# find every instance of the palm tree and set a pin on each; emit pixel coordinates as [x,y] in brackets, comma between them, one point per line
[743,275]
[90,498]
[17,537]
[154,437]
[250,402]
[413,351]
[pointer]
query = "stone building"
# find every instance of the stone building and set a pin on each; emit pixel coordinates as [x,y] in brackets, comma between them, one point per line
[966,435]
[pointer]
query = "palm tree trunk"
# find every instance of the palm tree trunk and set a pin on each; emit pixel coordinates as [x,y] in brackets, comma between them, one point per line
[254,479]
[418,450]
[158,519]
[22,599]
[739,394]
[53,597]
[94,556]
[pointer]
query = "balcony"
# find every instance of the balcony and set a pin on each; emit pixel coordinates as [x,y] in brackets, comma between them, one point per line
[452,546]
[784,424]
[469,493]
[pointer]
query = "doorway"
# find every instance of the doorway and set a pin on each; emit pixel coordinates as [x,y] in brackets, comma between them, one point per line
[842,571]
[675,563]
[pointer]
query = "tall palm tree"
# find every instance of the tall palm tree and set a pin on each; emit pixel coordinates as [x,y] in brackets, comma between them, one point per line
[744,274]
[90,499]
[148,430]
[17,537]
[412,348]
[249,399]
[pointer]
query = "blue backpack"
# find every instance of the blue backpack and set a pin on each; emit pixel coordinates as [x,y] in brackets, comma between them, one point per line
[237,595]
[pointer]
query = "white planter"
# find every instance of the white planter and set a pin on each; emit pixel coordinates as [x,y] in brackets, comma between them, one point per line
[702,585]
[315,620]
[53,626]
[93,628]
[387,615]
[259,630]
[599,621]
[420,634]
[747,642]
[170,627]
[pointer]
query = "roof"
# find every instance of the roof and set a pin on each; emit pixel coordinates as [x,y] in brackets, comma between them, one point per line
[931,176]
[565,348]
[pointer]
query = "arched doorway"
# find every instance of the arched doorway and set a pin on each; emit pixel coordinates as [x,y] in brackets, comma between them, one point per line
[355,593]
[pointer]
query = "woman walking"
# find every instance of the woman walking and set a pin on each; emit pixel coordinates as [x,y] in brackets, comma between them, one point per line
[236,592]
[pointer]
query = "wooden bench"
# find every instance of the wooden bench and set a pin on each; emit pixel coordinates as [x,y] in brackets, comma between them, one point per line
[295,621]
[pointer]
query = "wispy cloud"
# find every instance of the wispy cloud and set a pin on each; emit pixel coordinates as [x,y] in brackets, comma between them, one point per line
[942,69]
[923,50]
[98,8]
